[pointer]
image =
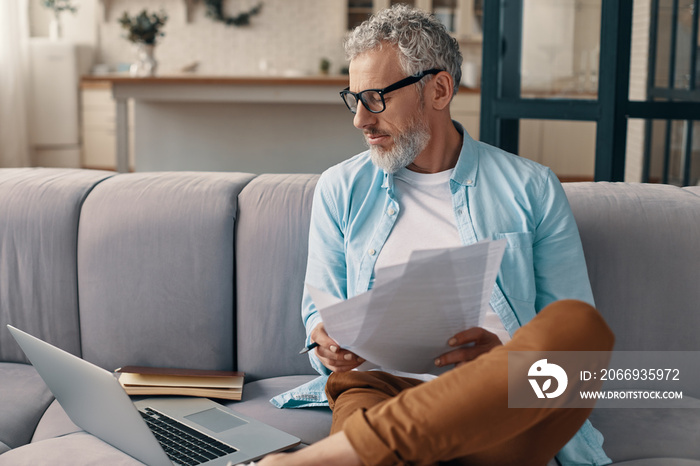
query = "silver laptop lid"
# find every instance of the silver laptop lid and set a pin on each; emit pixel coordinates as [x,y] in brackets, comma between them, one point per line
[93,399]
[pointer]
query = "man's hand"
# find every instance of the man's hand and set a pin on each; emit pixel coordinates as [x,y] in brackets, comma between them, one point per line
[471,342]
[330,353]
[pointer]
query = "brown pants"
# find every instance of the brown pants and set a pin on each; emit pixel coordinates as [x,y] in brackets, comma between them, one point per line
[463,415]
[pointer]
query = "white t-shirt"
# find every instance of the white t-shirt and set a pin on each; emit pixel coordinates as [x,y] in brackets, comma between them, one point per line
[426,220]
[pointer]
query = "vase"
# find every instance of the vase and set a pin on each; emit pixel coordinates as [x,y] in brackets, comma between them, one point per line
[146,63]
[55,27]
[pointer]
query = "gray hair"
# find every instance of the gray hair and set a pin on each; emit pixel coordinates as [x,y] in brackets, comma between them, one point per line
[423,41]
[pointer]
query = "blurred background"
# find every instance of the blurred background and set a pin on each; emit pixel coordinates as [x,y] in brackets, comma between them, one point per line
[248,85]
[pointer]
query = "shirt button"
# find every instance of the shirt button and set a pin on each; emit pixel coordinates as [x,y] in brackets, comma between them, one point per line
[390,211]
[470,182]
[372,252]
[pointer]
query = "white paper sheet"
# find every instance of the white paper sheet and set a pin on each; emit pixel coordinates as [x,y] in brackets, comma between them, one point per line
[404,322]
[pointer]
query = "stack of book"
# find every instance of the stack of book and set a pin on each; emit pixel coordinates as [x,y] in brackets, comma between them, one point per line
[138,380]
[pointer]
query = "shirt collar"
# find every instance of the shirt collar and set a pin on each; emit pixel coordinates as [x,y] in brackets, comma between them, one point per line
[468,162]
[388,181]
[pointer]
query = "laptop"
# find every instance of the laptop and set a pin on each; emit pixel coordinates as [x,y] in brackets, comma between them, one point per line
[157,431]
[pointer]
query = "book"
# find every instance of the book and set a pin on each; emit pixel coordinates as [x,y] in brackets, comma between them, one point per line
[139,380]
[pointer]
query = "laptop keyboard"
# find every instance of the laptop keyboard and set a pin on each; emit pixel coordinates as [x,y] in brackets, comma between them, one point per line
[183,444]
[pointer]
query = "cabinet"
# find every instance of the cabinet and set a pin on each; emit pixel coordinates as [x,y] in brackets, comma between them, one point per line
[98,127]
[461,17]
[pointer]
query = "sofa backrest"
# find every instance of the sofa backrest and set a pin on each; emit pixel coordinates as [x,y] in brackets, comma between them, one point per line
[693,189]
[155,270]
[139,268]
[272,231]
[642,247]
[39,216]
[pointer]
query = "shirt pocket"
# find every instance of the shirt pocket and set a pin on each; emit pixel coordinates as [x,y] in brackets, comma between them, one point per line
[517,274]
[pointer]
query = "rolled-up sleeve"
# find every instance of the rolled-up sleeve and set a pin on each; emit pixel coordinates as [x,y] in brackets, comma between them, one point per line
[559,263]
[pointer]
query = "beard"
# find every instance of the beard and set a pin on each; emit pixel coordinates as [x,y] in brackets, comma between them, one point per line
[407,145]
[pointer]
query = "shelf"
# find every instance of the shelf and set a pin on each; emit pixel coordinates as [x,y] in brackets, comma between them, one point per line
[461,17]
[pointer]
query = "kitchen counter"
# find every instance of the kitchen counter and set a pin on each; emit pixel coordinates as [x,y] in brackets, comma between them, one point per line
[289,103]
[192,88]
[340,80]
[197,88]
[184,87]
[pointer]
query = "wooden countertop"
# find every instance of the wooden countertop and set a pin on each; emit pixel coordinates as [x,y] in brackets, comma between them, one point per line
[340,81]
[202,79]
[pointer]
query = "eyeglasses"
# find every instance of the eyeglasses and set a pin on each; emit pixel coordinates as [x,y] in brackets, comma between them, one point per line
[373,99]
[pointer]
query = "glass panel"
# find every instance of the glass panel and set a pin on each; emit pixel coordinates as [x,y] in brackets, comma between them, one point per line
[666,150]
[445,11]
[639,58]
[678,56]
[358,11]
[656,149]
[567,147]
[685,153]
[675,151]
[406,2]
[561,48]
[634,158]
[663,43]
[683,44]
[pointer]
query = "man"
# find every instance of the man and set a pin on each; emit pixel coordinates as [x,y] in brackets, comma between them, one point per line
[425,183]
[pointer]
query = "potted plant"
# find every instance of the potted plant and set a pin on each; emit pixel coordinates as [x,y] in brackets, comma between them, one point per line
[324,66]
[143,30]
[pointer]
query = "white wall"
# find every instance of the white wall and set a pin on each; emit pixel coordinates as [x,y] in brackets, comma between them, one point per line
[290,35]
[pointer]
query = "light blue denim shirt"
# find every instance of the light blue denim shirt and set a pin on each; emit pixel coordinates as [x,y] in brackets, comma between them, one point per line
[495,195]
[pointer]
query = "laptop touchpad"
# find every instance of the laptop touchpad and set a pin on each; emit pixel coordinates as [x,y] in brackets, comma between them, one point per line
[216,420]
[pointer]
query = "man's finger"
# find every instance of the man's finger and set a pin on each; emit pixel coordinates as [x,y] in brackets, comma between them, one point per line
[341,365]
[469,335]
[464,354]
[339,355]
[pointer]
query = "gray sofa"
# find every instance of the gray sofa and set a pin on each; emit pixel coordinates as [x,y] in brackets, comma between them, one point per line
[205,270]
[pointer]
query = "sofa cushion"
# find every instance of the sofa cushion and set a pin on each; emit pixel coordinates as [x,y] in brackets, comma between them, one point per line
[39,216]
[642,248]
[155,270]
[54,423]
[272,234]
[309,424]
[79,449]
[24,398]
[633,434]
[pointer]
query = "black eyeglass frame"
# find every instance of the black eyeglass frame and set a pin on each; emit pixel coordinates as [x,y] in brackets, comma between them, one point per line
[393,87]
